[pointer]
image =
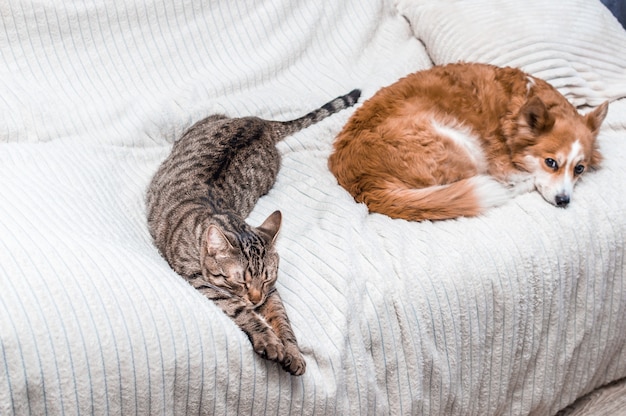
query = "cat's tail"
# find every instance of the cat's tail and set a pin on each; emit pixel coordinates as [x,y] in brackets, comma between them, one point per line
[464,198]
[345,101]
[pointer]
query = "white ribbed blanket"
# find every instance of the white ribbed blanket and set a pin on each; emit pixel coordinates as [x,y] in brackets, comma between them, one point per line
[516,312]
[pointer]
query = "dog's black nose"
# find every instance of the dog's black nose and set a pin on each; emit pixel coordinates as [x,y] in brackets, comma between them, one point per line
[562,200]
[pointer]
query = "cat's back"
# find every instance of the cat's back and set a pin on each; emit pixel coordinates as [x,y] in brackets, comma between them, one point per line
[211,145]
[210,151]
[219,164]
[228,161]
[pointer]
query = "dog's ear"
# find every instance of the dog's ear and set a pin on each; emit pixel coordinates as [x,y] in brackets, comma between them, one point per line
[595,118]
[532,119]
[535,116]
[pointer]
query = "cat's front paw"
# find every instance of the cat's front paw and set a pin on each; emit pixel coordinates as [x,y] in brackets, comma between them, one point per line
[269,346]
[294,361]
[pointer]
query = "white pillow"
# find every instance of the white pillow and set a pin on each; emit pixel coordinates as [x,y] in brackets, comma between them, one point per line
[576,45]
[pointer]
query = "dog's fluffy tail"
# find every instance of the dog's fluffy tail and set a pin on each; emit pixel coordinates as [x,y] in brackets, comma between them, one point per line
[464,198]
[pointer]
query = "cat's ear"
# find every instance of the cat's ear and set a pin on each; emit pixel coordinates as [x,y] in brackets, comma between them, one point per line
[271,226]
[216,241]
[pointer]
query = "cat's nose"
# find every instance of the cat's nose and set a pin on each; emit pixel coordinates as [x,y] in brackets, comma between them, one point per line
[255,296]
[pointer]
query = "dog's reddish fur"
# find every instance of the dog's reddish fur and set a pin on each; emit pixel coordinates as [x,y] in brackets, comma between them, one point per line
[395,155]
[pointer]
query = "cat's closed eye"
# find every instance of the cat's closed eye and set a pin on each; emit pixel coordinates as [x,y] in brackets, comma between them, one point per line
[238,277]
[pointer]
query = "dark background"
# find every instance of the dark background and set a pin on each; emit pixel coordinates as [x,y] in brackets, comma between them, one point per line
[618,8]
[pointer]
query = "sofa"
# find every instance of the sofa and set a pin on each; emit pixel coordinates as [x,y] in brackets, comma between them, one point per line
[519,311]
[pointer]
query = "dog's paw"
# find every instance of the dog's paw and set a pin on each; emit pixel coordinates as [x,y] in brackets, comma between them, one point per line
[521,184]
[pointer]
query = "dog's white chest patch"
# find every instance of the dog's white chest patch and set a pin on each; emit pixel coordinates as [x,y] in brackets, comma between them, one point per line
[467,140]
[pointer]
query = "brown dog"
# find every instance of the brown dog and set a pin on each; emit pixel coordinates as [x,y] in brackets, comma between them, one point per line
[454,140]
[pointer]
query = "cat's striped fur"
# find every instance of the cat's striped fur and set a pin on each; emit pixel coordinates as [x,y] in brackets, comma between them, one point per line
[197,204]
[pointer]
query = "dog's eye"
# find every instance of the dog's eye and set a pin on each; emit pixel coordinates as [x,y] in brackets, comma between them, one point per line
[551,163]
[579,169]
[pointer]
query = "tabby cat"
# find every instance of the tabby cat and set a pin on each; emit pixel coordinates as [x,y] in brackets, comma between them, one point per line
[197,204]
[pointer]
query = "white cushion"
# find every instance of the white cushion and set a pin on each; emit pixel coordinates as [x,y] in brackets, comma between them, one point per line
[576,45]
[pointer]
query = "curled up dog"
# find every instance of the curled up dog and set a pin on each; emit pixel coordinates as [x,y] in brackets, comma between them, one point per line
[458,139]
